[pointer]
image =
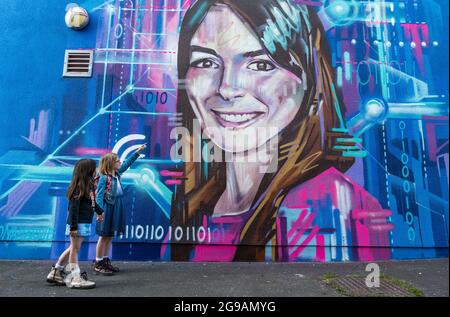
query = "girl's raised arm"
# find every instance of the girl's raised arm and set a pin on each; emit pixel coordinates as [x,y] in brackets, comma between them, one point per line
[129,161]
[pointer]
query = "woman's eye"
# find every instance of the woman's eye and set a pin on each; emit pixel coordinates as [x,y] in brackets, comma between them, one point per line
[205,63]
[261,66]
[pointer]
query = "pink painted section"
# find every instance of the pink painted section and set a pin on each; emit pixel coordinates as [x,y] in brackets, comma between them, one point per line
[90,151]
[417,33]
[167,173]
[301,229]
[328,204]
[359,214]
[293,256]
[316,3]
[297,223]
[173,182]
[363,234]
[279,238]
[223,248]
[362,213]
[320,249]
[216,253]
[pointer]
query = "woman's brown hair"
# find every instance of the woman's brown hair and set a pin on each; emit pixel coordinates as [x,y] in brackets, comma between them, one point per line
[306,147]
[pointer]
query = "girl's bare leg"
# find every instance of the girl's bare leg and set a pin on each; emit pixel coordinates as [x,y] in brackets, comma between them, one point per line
[108,245]
[64,257]
[75,245]
[100,249]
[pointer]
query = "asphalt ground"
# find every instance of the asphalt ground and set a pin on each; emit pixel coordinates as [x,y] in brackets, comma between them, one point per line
[240,279]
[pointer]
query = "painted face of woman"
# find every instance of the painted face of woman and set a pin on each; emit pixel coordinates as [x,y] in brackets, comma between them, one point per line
[240,96]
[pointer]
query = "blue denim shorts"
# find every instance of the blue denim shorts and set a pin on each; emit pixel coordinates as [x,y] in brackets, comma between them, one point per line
[84,230]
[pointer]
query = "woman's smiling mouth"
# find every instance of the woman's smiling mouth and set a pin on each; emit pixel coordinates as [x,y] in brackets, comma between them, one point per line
[236,120]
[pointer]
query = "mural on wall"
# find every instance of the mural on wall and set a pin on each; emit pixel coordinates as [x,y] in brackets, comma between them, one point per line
[278,130]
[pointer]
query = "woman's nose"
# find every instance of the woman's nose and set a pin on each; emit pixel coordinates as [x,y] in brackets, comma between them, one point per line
[231,86]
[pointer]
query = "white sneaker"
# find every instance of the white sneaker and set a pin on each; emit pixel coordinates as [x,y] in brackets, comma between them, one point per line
[79,281]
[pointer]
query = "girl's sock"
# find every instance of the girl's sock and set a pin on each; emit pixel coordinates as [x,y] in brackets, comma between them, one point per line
[98,259]
[75,269]
[59,267]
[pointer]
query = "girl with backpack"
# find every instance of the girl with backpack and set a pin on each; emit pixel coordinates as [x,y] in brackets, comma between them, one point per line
[82,207]
[109,196]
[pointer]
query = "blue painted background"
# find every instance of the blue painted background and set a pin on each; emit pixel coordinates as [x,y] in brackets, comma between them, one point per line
[33,38]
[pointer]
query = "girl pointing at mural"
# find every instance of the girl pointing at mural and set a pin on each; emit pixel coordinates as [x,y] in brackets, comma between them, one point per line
[109,197]
[266,64]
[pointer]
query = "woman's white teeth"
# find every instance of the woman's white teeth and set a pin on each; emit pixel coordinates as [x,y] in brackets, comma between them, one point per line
[237,117]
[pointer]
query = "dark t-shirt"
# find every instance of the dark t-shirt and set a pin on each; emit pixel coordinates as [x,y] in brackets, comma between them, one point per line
[81,211]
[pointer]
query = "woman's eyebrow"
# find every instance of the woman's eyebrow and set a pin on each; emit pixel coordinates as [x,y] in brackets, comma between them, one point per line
[195,48]
[254,53]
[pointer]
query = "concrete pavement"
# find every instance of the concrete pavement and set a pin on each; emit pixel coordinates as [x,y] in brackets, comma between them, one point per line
[175,279]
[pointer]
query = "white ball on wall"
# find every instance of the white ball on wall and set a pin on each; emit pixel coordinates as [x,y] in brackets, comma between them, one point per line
[76,18]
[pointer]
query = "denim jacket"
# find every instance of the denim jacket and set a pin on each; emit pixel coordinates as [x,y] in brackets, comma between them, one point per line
[110,196]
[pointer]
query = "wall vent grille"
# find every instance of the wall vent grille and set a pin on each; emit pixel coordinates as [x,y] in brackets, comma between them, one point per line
[78,63]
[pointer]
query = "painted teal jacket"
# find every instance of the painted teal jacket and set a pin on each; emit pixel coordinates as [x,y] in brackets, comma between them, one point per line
[109,196]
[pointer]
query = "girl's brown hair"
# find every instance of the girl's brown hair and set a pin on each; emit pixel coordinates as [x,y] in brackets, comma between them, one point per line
[81,184]
[306,146]
[107,163]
